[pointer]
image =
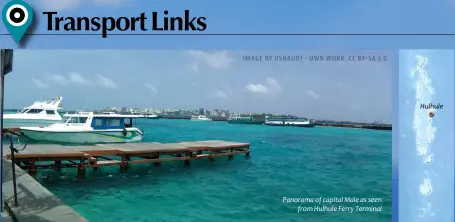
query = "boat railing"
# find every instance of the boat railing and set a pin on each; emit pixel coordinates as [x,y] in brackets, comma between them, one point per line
[82,112]
[47,104]
[110,113]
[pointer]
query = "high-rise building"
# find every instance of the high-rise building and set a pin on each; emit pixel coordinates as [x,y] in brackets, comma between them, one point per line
[201,111]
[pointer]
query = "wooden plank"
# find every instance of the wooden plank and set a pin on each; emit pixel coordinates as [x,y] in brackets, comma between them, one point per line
[160,160]
[223,154]
[105,163]
[214,145]
[71,155]
[47,158]
[200,156]
[146,148]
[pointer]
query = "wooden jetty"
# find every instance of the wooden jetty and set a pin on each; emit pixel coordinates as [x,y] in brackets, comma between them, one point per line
[14,131]
[55,156]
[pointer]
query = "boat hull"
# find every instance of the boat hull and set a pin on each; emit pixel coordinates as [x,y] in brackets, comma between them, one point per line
[16,123]
[246,122]
[84,137]
[310,125]
[152,117]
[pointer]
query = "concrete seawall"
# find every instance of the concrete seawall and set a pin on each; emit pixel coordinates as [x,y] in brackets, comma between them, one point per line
[35,202]
[175,117]
[359,126]
[330,124]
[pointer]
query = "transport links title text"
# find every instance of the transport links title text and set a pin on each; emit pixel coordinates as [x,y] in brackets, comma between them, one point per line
[159,22]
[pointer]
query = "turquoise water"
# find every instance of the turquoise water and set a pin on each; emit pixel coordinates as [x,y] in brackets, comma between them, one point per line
[285,162]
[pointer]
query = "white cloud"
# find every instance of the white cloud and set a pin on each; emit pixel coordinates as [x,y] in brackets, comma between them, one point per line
[313,94]
[220,94]
[214,60]
[271,86]
[76,78]
[105,82]
[151,87]
[61,80]
[40,84]
[257,88]
[58,5]
[195,67]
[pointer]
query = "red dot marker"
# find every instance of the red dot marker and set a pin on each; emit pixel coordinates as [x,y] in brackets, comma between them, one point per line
[431,114]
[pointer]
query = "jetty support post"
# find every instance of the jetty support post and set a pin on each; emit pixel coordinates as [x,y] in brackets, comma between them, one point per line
[211,157]
[58,165]
[94,161]
[124,164]
[13,165]
[81,168]
[32,168]
[157,156]
[230,157]
[247,154]
[188,158]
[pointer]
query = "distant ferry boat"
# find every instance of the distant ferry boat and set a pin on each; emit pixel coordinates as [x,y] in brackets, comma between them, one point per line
[86,127]
[40,113]
[153,116]
[286,121]
[244,120]
[200,118]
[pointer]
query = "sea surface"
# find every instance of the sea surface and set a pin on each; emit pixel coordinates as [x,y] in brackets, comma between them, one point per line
[286,162]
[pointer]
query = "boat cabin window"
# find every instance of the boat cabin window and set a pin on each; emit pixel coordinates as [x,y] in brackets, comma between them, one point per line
[35,111]
[51,112]
[128,122]
[109,123]
[77,120]
[64,119]
[113,122]
[98,122]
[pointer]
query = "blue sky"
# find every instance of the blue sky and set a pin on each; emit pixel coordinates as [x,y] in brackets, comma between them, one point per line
[209,79]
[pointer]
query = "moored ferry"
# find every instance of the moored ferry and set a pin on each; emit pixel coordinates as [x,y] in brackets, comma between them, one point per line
[244,120]
[151,116]
[87,127]
[289,121]
[200,118]
[40,113]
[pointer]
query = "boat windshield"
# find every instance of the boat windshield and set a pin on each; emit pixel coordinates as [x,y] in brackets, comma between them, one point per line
[64,119]
[23,111]
[73,119]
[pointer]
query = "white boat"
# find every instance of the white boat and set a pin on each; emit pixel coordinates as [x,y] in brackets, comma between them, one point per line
[87,127]
[200,118]
[40,113]
[152,116]
[289,121]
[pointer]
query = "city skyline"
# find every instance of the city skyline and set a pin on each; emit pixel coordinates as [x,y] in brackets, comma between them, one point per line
[357,91]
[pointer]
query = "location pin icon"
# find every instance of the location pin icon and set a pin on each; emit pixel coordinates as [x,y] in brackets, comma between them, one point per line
[17,16]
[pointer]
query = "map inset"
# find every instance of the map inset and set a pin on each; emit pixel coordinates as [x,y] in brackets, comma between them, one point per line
[426,146]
